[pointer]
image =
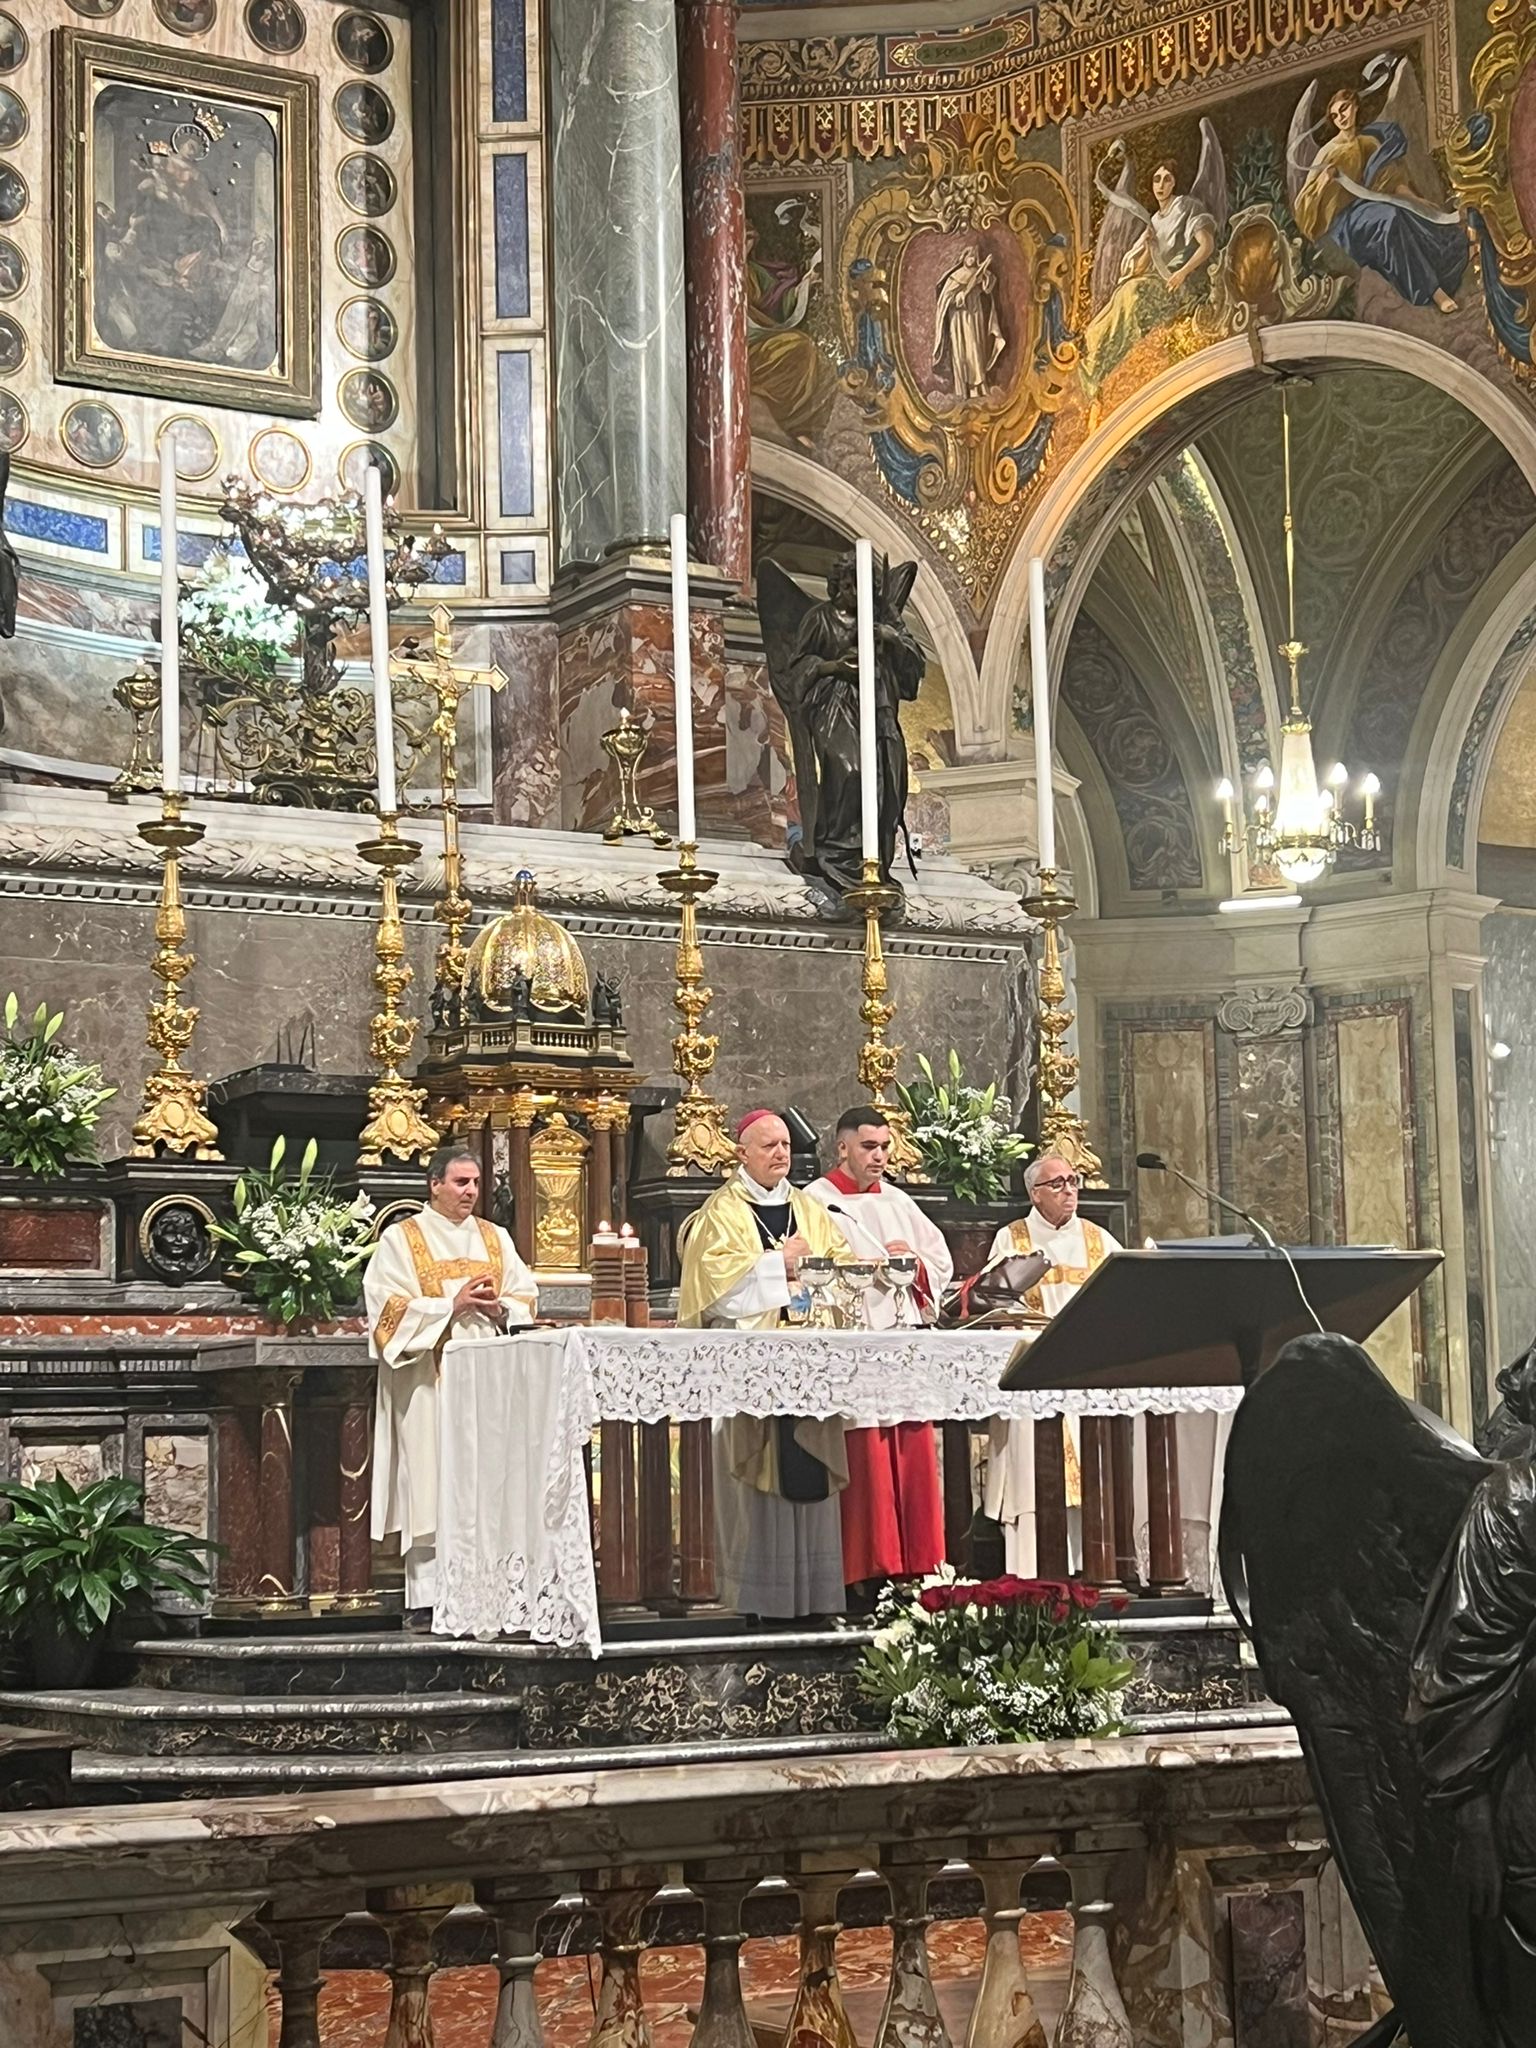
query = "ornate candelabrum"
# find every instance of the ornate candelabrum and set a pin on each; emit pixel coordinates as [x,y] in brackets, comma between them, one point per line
[172,1116]
[876,1065]
[395,1121]
[310,740]
[1062,1131]
[699,1141]
[139,695]
[626,747]
[449,682]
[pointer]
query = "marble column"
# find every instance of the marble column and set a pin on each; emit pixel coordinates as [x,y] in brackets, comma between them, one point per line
[618,235]
[714,251]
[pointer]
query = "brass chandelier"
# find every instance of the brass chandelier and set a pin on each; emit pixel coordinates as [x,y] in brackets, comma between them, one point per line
[1293,823]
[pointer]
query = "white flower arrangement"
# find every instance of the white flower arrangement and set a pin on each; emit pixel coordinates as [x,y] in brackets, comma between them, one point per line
[49,1099]
[961,1132]
[299,1249]
[227,623]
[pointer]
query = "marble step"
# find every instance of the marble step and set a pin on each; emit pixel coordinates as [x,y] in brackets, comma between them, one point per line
[146,1722]
[108,1777]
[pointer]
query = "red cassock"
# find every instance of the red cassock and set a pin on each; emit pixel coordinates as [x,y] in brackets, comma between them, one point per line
[893,1504]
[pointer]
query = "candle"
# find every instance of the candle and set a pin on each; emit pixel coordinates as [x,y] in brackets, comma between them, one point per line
[682,682]
[1040,677]
[378,639]
[170,631]
[869,773]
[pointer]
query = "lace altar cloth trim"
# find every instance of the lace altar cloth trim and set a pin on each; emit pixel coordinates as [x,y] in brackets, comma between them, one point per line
[872,1377]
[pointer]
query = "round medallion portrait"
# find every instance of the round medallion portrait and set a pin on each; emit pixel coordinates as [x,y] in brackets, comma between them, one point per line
[13,193]
[364,113]
[13,270]
[188,17]
[277,25]
[367,184]
[366,255]
[96,10]
[362,456]
[196,445]
[13,119]
[175,1238]
[94,434]
[280,459]
[368,329]
[13,43]
[368,399]
[13,346]
[13,420]
[363,42]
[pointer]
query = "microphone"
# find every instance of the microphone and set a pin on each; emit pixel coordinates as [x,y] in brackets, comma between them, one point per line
[1154,1162]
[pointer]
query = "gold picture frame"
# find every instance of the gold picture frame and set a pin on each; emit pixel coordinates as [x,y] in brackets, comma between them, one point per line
[187,196]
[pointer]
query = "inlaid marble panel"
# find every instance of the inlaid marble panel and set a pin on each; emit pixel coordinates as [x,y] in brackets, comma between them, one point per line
[1509,940]
[1168,1101]
[1268,1126]
[1469,1053]
[1376,1160]
[82,1464]
[525,725]
[176,1481]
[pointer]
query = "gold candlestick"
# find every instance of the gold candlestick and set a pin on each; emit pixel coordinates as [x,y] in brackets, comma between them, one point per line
[172,1113]
[395,1121]
[1062,1131]
[876,1065]
[699,1141]
[625,747]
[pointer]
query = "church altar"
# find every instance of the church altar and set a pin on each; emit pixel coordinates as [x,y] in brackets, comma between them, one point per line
[514,1543]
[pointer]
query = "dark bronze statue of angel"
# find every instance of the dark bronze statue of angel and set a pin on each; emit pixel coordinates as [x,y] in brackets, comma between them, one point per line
[1387,1575]
[812,653]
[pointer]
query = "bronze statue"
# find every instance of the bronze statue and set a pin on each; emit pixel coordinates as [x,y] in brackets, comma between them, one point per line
[813,666]
[1387,1575]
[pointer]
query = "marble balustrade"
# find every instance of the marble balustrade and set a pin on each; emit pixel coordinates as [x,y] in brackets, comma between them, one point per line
[1205,1907]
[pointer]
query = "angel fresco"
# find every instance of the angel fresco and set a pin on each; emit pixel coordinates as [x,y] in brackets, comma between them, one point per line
[1147,266]
[1372,188]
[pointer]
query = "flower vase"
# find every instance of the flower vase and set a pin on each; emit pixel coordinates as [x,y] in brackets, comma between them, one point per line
[1095,2016]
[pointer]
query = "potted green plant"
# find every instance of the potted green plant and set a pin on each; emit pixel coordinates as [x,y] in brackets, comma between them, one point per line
[299,1249]
[49,1098]
[70,1560]
[962,1132]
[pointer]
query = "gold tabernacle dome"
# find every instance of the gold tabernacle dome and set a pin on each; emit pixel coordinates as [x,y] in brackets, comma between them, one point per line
[525,941]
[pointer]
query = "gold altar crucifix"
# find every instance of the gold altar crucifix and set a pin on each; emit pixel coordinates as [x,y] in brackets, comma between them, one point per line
[449,682]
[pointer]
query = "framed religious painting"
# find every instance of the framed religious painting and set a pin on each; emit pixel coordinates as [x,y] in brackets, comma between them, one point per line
[188,203]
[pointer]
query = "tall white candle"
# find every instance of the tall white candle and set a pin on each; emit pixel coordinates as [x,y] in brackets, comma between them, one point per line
[378,639]
[1040,679]
[170,628]
[682,681]
[869,770]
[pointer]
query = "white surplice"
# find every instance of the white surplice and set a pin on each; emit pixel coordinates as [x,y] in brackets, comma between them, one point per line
[408,1289]
[877,1219]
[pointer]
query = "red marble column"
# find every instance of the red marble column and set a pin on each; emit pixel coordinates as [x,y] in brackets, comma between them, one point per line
[714,266]
[355,1486]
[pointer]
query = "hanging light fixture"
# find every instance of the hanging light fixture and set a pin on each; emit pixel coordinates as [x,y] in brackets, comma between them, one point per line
[1294,822]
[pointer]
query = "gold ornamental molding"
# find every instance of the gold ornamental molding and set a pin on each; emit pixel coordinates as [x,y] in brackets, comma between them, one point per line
[831,97]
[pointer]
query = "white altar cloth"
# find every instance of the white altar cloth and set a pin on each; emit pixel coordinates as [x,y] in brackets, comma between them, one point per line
[514,1542]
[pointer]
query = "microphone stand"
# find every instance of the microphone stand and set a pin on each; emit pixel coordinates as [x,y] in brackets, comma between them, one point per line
[1155,1163]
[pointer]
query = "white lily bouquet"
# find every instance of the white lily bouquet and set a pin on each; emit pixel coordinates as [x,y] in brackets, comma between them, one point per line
[50,1098]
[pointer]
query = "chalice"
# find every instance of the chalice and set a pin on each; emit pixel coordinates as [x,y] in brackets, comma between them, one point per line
[816,1276]
[901,1278]
[854,1277]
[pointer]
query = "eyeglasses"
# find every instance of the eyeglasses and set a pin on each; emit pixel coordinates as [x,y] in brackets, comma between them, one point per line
[1061,1183]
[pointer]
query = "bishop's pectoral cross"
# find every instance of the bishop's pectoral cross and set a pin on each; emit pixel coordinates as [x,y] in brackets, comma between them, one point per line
[449,682]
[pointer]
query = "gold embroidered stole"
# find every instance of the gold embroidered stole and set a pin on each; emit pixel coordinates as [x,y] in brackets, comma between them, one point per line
[432,1271]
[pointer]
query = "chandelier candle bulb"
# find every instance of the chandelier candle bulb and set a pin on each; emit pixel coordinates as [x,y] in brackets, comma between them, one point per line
[1224,796]
[1040,700]
[1370,789]
[170,631]
[869,774]
[682,681]
[378,638]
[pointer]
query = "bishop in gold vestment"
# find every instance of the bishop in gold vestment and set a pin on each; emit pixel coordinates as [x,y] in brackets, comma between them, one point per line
[777,1479]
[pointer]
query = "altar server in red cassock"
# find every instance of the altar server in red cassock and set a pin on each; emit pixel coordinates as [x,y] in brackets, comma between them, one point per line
[893,1505]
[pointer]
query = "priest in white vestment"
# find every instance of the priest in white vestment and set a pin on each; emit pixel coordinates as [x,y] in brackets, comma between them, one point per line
[893,1504]
[440,1274]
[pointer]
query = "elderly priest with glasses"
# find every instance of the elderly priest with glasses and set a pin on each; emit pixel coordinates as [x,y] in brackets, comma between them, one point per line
[777,1479]
[1074,1247]
[437,1275]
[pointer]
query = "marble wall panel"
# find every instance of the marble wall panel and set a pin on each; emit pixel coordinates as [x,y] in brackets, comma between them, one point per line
[1467,1044]
[1376,1160]
[1268,1138]
[1269,1970]
[1168,1105]
[525,724]
[176,1481]
[1509,940]
[82,1464]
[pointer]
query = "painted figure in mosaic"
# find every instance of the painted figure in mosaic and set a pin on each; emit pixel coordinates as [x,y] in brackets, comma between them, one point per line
[1371,187]
[1387,1575]
[1147,265]
[790,375]
[812,652]
[968,335]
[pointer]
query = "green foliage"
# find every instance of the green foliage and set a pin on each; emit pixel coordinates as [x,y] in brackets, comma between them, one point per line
[49,1099]
[299,1250]
[962,1132]
[1003,1660]
[72,1560]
